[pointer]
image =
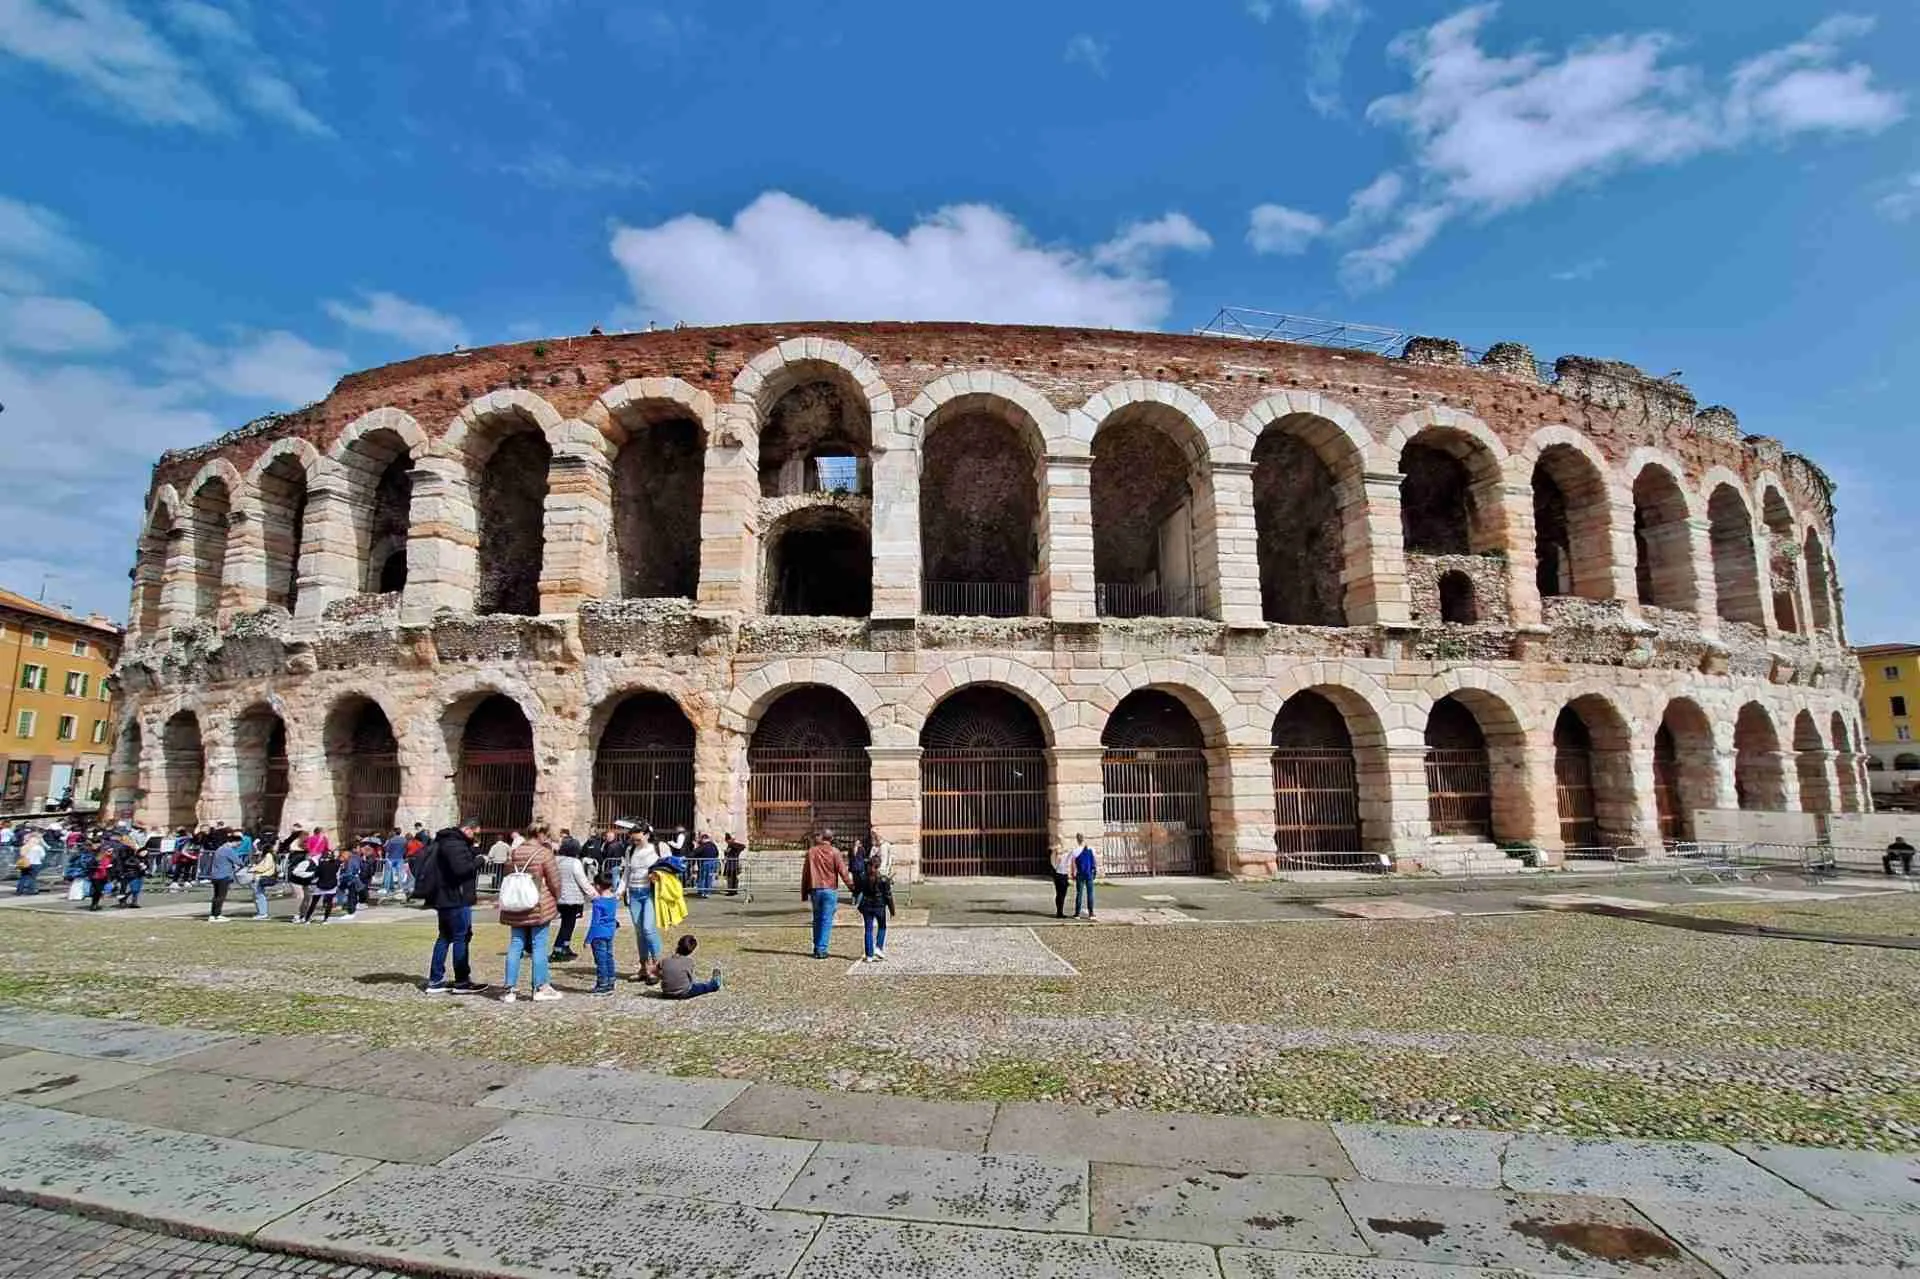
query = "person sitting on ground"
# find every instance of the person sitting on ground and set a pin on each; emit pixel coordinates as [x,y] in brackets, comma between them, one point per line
[600,929]
[1901,850]
[676,973]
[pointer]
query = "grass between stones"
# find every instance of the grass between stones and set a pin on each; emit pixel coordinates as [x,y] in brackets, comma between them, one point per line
[1554,1023]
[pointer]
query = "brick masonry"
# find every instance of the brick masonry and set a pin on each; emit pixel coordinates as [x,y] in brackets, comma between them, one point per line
[1658,533]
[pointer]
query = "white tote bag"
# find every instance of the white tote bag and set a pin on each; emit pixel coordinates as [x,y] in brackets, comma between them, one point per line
[77,891]
[517,889]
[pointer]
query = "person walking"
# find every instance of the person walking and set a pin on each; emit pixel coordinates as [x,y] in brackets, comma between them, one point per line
[32,856]
[220,872]
[265,867]
[98,875]
[1085,867]
[576,890]
[446,873]
[1899,850]
[820,879]
[530,928]
[301,873]
[394,852]
[873,896]
[638,874]
[708,854]
[676,975]
[130,872]
[600,929]
[734,849]
[293,851]
[325,886]
[1062,880]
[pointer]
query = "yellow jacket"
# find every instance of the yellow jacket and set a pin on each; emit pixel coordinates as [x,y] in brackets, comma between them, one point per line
[669,900]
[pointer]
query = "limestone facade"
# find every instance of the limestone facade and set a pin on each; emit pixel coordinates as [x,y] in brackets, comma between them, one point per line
[1587,546]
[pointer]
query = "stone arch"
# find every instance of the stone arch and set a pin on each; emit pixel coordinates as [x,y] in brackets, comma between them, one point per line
[1157,796]
[1047,429]
[809,767]
[479,427]
[1736,569]
[1459,601]
[1847,765]
[362,750]
[212,505]
[1211,703]
[656,431]
[1572,514]
[1310,509]
[279,483]
[612,411]
[764,685]
[642,743]
[1452,486]
[982,498]
[1810,764]
[1783,559]
[1593,774]
[817,432]
[778,369]
[1039,693]
[1321,419]
[150,566]
[124,760]
[1155,540]
[819,563]
[1685,769]
[396,422]
[984,794]
[1663,521]
[262,766]
[1367,706]
[1758,781]
[1820,579]
[1475,762]
[183,760]
[491,738]
[375,458]
[505,443]
[1317,776]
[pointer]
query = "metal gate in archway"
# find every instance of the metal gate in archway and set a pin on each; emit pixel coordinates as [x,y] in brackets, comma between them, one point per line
[808,770]
[983,787]
[643,766]
[1155,802]
[1573,782]
[1316,800]
[266,805]
[497,774]
[1666,787]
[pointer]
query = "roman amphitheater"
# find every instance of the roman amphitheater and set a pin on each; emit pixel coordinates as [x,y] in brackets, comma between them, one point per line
[1231,605]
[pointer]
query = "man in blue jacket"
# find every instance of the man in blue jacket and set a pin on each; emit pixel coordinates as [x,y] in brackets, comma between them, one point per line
[445,878]
[1084,869]
[220,872]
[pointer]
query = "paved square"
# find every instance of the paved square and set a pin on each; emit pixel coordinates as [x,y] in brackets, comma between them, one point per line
[188,1101]
[91,1037]
[1218,1142]
[1678,1170]
[1017,1191]
[850,1247]
[1299,1213]
[1243,1263]
[773,1111]
[43,1078]
[1858,1180]
[1774,1243]
[392,1129]
[286,1060]
[965,952]
[1425,1156]
[427,1076]
[588,1092]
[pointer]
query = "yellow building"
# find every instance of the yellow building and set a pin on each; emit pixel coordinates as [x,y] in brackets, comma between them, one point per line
[57,731]
[1890,698]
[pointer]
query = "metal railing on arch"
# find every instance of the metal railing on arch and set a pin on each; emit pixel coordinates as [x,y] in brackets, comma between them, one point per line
[974,599]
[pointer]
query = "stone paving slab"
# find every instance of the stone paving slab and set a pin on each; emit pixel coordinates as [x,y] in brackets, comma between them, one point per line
[393,1129]
[12,1050]
[722,1167]
[188,1101]
[1858,1180]
[1245,1263]
[1017,1191]
[284,1059]
[1219,1142]
[848,1246]
[590,1092]
[1792,1243]
[966,952]
[45,1244]
[1464,1157]
[1388,908]
[96,1037]
[43,1078]
[1300,1213]
[182,1179]
[1690,1171]
[880,1118]
[1552,1234]
[427,1076]
[451,1221]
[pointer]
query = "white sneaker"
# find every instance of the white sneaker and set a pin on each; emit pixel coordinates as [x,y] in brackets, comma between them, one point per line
[546,995]
[216,919]
[509,998]
[866,959]
[879,956]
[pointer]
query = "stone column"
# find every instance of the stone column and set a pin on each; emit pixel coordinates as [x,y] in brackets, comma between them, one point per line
[1235,559]
[730,515]
[896,803]
[1067,593]
[1243,846]
[896,533]
[1079,792]
[443,542]
[1394,813]
[1787,768]
[1818,790]
[219,774]
[426,768]
[150,778]
[330,565]
[1644,813]
[578,512]
[177,594]
[147,576]
[1515,504]
[1375,573]
[243,568]
[560,768]
[312,796]
[1706,588]
[1526,800]
[720,779]
[1622,557]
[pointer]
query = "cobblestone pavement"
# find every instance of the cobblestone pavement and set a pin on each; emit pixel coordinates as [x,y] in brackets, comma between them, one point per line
[55,1245]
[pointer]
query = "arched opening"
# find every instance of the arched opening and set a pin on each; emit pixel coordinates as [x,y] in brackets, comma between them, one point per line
[1783,563]
[1572,545]
[260,758]
[1758,783]
[1573,781]
[1819,582]
[379,484]
[817,437]
[510,500]
[123,774]
[1906,762]
[1149,469]
[653,545]
[1459,773]
[1301,532]
[1736,572]
[1846,767]
[185,764]
[1685,774]
[1316,781]
[983,786]
[1662,542]
[820,564]
[1670,810]
[1457,604]
[980,525]
[1810,765]
[363,759]
[150,571]
[283,517]
[211,515]
[494,772]
[1437,502]
[643,764]
[808,769]
[1153,768]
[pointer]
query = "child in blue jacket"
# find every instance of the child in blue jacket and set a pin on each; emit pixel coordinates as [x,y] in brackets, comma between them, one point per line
[600,928]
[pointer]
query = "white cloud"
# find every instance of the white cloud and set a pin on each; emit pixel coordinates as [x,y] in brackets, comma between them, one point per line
[53,326]
[1377,264]
[1089,52]
[781,258]
[1581,270]
[1260,10]
[1799,88]
[1275,228]
[1902,203]
[278,367]
[1375,200]
[557,172]
[1139,243]
[1331,28]
[35,245]
[115,57]
[390,315]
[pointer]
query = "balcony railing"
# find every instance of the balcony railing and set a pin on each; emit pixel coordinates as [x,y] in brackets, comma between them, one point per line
[974,599]
[1128,599]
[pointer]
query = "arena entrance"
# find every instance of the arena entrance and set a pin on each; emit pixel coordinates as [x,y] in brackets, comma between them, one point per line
[1573,781]
[643,764]
[260,742]
[1154,777]
[1459,773]
[1668,810]
[495,775]
[185,763]
[983,786]
[808,770]
[1316,786]
[364,761]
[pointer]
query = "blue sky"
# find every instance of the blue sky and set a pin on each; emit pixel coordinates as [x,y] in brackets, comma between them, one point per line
[210,209]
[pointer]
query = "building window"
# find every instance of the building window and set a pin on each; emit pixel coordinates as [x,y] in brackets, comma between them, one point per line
[78,684]
[39,639]
[106,693]
[24,726]
[33,677]
[1890,673]
[79,648]
[1899,705]
[1903,732]
[99,732]
[69,728]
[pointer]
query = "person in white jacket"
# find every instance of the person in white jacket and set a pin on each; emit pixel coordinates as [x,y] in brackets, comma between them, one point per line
[576,890]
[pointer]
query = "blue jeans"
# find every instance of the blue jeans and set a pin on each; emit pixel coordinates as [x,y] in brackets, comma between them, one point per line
[456,935]
[698,989]
[825,902]
[1082,888]
[704,880]
[876,928]
[646,925]
[534,937]
[602,962]
[131,889]
[259,895]
[29,882]
[391,879]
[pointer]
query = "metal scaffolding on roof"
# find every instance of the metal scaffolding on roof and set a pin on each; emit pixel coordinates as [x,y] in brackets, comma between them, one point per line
[1276,326]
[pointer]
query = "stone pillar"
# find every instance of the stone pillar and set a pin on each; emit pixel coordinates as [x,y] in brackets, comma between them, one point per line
[1394,813]
[243,567]
[896,803]
[1786,767]
[1706,586]
[896,534]
[1067,592]
[177,594]
[330,567]
[1243,846]
[426,767]
[147,576]
[1526,800]
[1644,813]
[1514,504]
[1814,770]
[220,774]
[443,542]
[561,768]
[1235,558]
[150,778]
[720,779]
[1375,573]
[1726,770]
[312,797]
[730,516]
[1622,558]
[578,512]
[1079,792]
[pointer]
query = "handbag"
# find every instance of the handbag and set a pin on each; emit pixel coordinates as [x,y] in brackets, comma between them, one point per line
[77,891]
[517,890]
